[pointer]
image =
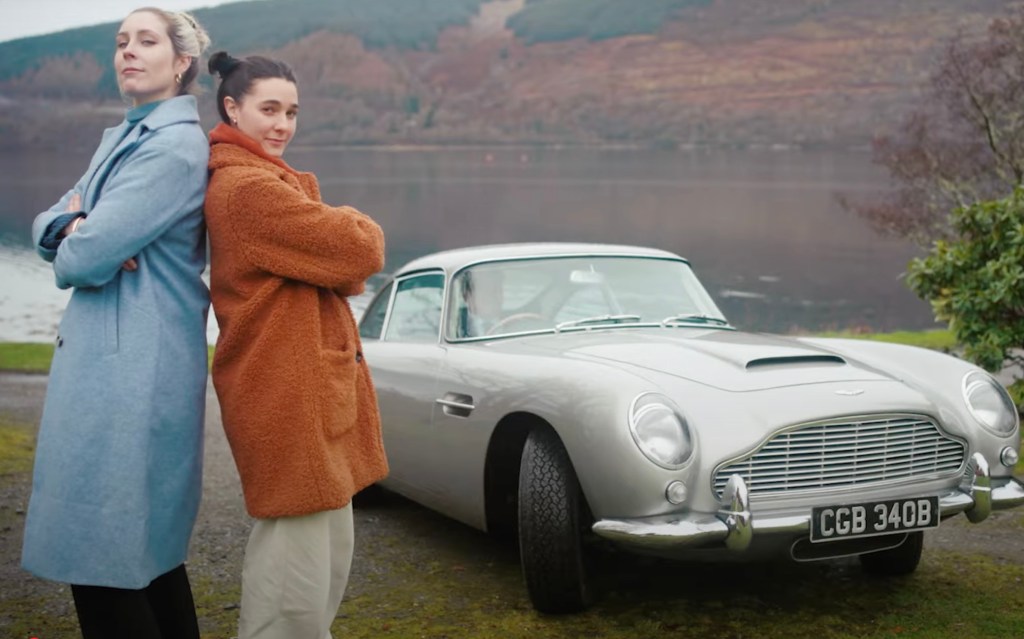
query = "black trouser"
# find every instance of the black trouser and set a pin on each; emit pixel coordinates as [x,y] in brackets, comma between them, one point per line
[162,610]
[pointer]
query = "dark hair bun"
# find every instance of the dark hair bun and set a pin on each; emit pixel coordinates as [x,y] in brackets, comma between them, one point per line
[222,63]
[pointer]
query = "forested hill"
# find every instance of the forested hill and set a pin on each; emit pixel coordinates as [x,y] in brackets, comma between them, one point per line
[651,72]
[259,24]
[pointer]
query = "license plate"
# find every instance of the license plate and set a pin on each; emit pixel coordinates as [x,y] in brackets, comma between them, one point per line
[874,518]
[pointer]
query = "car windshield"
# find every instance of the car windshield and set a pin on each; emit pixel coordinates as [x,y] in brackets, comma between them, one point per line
[576,293]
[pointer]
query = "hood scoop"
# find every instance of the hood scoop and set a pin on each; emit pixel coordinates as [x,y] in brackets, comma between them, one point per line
[731,361]
[794,360]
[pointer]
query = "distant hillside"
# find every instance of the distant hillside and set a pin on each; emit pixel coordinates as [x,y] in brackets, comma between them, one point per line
[258,24]
[557,20]
[676,73]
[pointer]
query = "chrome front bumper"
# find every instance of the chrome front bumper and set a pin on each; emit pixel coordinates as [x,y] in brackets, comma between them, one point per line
[734,526]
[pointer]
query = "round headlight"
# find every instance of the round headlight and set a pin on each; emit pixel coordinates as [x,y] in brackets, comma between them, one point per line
[660,431]
[990,404]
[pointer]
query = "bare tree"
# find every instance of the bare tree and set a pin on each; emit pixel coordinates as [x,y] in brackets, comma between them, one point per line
[963,144]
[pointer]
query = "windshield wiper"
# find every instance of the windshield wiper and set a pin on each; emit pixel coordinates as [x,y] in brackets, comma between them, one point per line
[696,318]
[598,319]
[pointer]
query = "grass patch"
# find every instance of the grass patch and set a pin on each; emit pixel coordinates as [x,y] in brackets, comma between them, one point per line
[17,447]
[940,607]
[25,357]
[216,605]
[30,357]
[39,616]
[939,340]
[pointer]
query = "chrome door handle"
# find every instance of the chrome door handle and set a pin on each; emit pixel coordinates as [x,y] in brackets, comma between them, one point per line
[456,404]
[452,404]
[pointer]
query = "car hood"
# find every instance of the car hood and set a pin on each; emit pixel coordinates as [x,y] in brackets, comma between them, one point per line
[729,360]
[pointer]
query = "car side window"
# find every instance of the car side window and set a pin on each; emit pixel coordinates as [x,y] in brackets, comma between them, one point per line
[373,319]
[416,313]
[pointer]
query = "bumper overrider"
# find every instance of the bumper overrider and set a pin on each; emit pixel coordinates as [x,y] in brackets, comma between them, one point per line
[734,526]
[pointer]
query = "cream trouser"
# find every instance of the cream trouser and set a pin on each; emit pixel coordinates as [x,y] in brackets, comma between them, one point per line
[294,575]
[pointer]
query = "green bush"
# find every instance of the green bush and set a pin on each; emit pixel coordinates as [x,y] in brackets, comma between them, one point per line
[975,281]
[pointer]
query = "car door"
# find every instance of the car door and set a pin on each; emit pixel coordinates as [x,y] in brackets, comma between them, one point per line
[478,383]
[401,333]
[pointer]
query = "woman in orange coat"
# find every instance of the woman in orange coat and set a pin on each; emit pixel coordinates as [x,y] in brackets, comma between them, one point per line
[296,398]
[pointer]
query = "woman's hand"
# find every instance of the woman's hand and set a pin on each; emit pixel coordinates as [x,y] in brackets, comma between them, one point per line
[75,204]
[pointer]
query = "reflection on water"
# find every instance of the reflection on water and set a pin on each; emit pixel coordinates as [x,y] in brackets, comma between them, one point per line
[30,303]
[762,229]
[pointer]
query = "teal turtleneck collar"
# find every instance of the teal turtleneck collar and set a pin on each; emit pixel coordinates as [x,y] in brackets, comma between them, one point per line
[137,113]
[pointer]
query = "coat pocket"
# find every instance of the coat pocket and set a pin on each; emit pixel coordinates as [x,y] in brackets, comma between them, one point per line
[111,308]
[339,401]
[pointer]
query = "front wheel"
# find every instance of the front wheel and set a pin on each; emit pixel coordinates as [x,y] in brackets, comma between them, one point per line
[901,560]
[552,512]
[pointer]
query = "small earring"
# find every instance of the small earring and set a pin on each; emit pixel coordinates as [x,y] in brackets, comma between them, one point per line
[234,122]
[177,78]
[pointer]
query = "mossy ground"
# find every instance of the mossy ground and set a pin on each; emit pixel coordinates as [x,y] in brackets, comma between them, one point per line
[17,446]
[952,594]
[421,575]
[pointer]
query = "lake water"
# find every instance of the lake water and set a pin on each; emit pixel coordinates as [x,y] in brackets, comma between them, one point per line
[762,228]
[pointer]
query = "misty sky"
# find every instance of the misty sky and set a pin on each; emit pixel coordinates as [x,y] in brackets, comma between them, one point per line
[21,18]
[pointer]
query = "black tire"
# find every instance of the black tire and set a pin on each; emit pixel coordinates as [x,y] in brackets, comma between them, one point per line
[895,562]
[552,515]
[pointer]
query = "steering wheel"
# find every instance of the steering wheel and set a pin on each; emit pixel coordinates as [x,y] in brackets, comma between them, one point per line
[512,318]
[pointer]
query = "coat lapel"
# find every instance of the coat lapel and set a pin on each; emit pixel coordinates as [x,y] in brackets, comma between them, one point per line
[116,143]
[110,152]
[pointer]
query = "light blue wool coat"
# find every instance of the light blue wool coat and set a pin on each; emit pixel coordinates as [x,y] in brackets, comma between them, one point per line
[118,465]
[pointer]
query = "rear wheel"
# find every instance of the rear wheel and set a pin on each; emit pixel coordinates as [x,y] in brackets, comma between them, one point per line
[901,560]
[552,515]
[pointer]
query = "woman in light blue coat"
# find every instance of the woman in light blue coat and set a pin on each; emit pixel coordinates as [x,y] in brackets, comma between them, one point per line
[118,465]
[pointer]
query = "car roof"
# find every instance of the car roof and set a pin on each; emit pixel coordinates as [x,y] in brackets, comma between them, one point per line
[454,259]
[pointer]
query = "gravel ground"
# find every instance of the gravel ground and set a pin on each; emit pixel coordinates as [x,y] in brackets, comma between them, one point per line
[395,539]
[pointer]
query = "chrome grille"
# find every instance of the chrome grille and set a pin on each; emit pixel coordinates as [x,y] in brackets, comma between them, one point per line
[859,451]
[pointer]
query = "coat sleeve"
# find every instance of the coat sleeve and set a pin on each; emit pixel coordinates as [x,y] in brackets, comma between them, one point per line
[159,185]
[284,232]
[41,225]
[44,236]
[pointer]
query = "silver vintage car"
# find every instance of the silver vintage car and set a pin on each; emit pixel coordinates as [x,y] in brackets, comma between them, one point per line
[572,392]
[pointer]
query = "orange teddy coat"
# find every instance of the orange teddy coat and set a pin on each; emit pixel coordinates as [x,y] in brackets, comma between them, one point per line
[296,398]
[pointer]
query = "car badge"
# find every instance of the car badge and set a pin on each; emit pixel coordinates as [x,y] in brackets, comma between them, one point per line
[850,393]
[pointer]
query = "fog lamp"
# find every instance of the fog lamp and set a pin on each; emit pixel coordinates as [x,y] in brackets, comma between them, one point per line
[676,492]
[1009,457]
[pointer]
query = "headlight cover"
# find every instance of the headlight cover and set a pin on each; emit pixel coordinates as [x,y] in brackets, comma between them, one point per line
[660,431]
[989,403]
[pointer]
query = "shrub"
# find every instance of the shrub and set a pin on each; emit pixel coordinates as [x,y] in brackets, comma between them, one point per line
[975,280]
